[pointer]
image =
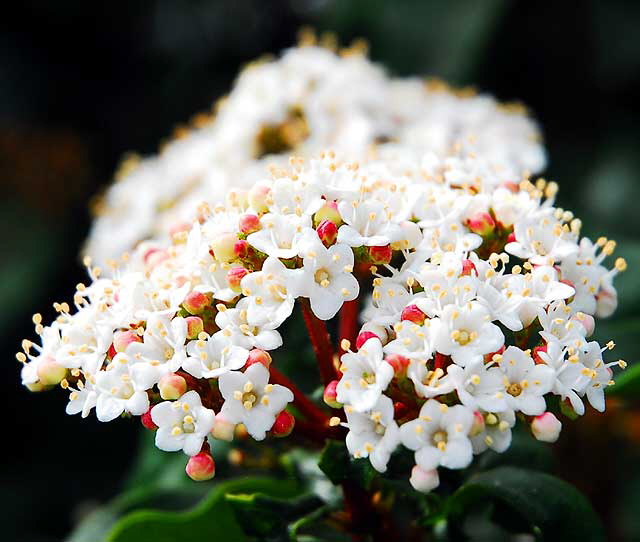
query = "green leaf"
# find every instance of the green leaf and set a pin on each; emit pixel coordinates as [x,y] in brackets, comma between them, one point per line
[535,502]
[338,465]
[627,384]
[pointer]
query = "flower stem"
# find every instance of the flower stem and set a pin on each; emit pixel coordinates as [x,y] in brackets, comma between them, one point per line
[321,342]
[349,321]
[306,407]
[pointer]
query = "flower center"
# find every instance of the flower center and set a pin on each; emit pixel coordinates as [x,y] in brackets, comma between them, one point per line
[322,277]
[248,397]
[168,353]
[369,378]
[491,420]
[463,337]
[439,439]
[514,389]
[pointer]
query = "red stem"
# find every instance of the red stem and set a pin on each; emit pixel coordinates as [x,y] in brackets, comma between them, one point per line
[321,342]
[349,321]
[306,407]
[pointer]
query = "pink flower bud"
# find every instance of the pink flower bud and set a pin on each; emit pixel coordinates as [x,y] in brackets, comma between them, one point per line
[195,326]
[481,223]
[511,238]
[330,395]
[424,480]
[154,256]
[201,467]
[586,321]
[468,268]
[122,339]
[327,232]
[536,354]
[400,410]
[179,227]
[329,211]
[413,314]
[172,386]
[196,302]
[241,249]
[223,429]
[478,424]
[147,421]
[249,223]
[399,364]
[607,302]
[258,356]
[363,337]
[258,198]
[283,425]
[380,255]
[235,276]
[546,427]
[50,372]
[223,247]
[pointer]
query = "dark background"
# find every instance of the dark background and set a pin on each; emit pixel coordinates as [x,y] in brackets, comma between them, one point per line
[83,82]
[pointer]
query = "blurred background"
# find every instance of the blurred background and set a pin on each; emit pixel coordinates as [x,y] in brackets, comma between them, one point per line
[83,82]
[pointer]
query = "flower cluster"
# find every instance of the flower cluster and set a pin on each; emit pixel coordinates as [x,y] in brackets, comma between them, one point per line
[309,100]
[483,297]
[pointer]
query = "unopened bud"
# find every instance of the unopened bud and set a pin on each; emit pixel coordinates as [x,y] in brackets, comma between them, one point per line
[380,255]
[241,249]
[201,467]
[329,211]
[482,223]
[223,247]
[400,410]
[147,421]
[122,339]
[330,395]
[399,364]
[258,356]
[535,354]
[546,427]
[196,302]
[249,223]
[468,268]
[179,227]
[258,198]
[50,372]
[234,276]
[172,386]
[327,232]
[363,337]
[511,238]
[478,424]
[424,480]
[195,326]
[223,429]
[155,256]
[586,321]
[283,425]
[413,314]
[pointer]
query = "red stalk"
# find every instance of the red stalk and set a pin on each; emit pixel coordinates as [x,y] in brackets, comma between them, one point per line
[349,321]
[306,407]
[321,342]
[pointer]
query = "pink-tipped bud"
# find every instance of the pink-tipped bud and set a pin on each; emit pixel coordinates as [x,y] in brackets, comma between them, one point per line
[249,223]
[327,232]
[400,410]
[122,339]
[195,326]
[283,425]
[607,301]
[363,337]
[413,314]
[511,238]
[223,247]
[399,364]
[329,211]
[477,426]
[179,227]
[424,480]
[172,387]
[380,255]
[482,223]
[196,302]
[468,268]
[586,321]
[154,256]
[50,372]
[259,197]
[241,249]
[537,359]
[201,467]
[330,395]
[235,276]
[258,356]
[546,427]
[147,421]
[223,429]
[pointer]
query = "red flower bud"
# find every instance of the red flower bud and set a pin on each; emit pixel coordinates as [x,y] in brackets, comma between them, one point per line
[122,339]
[249,223]
[241,249]
[330,395]
[413,314]
[511,238]
[201,467]
[329,211]
[172,386]
[481,223]
[536,354]
[196,302]
[258,356]
[380,255]
[399,410]
[283,425]
[363,337]
[147,421]
[195,326]
[235,276]
[468,268]
[399,364]
[327,232]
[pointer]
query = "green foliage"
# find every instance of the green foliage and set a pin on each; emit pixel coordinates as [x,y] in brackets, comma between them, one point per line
[627,384]
[339,466]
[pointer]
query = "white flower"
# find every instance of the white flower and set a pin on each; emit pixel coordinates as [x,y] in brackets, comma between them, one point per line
[233,324]
[251,400]
[525,382]
[118,392]
[542,240]
[367,223]
[182,424]
[479,386]
[327,279]
[82,399]
[279,235]
[428,383]
[412,341]
[212,356]
[439,436]
[466,333]
[496,434]
[373,434]
[365,375]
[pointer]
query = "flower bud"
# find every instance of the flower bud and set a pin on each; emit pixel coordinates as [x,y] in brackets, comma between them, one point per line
[249,223]
[586,321]
[424,480]
[179,227]
[546,427]
[478,424]
[147,421]
[196,302]
[258,356]
[363,337]
[607,301]
[154,256]
[482,223]
[223,429]
[511,238]
[223,247]
[50,372]
[122,339]
[172,386]
[400,410]
[201,467]
[283,425]
[413,314]
[327,232]
[330,395]
[399,364]
[235,276]
[380,255]
[329,211]
[377,329]
[535,354]
[259,197]
[195,326]
[241,249]
[468,268]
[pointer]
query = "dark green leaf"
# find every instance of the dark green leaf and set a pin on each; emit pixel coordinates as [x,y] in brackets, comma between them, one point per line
[337,464]
[627,384]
